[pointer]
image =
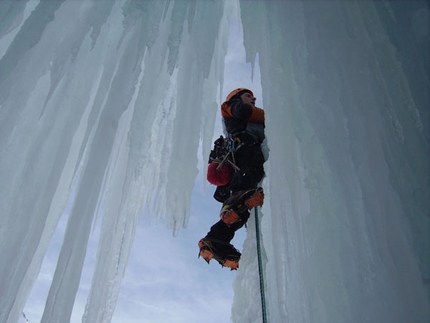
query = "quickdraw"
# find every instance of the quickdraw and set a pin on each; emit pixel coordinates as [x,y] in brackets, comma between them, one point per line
[223,152]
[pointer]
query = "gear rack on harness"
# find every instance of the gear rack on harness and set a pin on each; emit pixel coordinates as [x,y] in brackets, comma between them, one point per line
[223,152]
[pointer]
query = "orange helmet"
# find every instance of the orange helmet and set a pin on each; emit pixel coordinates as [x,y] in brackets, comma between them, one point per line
[236,91]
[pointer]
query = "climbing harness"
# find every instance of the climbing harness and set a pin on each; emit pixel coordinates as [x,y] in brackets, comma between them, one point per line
[260,267]
[223,152]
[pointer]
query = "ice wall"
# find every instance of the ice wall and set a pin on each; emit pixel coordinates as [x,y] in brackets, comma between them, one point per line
[108,100]
[346,226]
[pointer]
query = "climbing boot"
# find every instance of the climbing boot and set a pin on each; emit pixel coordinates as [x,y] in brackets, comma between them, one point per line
[255,200]
[235,207]
[224,253]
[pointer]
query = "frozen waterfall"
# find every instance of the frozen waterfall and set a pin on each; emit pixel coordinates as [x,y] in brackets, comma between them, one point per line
[346,229]
[108,107]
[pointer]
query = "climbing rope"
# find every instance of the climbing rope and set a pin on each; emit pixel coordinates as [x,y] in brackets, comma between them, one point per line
[260,267]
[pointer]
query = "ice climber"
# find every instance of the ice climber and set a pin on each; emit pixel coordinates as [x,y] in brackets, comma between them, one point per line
[236,168]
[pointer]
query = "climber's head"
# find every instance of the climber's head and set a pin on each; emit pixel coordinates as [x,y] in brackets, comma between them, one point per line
[243,94]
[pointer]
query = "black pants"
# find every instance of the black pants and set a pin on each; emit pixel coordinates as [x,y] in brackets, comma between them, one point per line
[250,160]
[222,232]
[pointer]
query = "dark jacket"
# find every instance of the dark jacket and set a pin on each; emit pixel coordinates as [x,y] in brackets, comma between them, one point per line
[239,118]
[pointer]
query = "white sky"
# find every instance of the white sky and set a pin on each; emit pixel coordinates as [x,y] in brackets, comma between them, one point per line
[165,282]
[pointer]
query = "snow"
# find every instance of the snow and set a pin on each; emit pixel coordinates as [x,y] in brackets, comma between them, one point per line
[103,108]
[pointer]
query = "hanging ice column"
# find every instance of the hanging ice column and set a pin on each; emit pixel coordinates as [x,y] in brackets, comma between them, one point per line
[100,107]
[346,222]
